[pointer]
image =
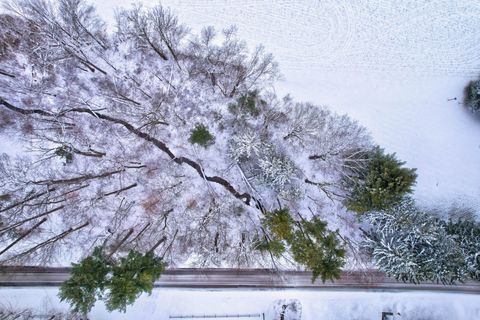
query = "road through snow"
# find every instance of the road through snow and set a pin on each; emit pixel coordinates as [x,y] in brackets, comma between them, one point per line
[241,278]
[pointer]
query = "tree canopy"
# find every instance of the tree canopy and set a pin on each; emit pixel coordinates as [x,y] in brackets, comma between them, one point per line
[412,245]
[382,184]
[118,282]
[310,243]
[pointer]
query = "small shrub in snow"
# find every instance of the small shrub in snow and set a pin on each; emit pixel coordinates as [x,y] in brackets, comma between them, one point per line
[290,309]
[12,312]
[65,153]
[247,104]
[472,96]
[200,135]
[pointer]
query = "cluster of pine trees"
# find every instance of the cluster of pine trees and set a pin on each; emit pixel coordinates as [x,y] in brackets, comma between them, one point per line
[414,245]
[310,242]
[117,282]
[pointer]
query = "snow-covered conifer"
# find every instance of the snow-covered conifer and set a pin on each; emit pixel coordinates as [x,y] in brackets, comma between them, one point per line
[411,245]
[277,170]
[244,146]
[466,233]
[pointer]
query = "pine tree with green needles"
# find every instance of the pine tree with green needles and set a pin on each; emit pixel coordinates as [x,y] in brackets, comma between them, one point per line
[87,282]
[310,242]
[279,222]
[201,136]
[383,183]
[132,276]
[117,282]
[247,104]
[274,246]
[318,248]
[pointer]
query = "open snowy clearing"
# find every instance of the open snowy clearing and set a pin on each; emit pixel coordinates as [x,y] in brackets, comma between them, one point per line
[328,304]
[391,65]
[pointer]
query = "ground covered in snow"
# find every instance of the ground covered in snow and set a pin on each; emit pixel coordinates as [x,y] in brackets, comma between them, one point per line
[332,305]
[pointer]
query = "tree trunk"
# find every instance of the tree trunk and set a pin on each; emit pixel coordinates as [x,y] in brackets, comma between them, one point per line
[129,233]
[159,242]
[29,219]
[27,199]
[52,239]
[23,236]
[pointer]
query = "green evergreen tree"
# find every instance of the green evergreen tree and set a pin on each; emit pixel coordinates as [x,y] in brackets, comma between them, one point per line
[310,242]
[384,183]
[87,282]
[132,276]
[247,104]
[200,135]
[318,248]
[118,282]
[279,222]
[274,246]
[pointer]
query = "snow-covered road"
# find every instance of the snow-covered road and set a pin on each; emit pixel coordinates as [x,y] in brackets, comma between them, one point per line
[390,64]
[242,278]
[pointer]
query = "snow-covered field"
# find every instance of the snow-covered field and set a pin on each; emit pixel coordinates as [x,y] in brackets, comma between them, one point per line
[332,305]
[390,64]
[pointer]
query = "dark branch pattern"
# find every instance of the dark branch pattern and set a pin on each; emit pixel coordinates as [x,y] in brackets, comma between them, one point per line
[245,197]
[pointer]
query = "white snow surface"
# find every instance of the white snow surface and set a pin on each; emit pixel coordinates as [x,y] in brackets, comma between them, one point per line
[390,64]
[10,146]
[316,304]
